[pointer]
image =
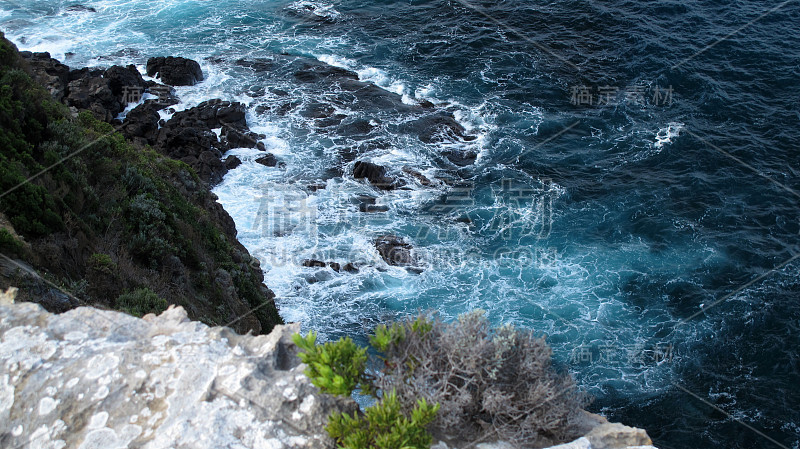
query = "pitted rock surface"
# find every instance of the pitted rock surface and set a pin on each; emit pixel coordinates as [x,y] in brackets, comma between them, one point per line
[91,378]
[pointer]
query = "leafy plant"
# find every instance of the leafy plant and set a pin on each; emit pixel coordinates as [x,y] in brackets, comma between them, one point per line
[140,302]
[334,367]
[384,426]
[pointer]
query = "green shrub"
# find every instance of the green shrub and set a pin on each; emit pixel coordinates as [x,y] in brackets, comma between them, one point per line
[384,426]
[140,302]
[101,263]
[9,245]
[335,367]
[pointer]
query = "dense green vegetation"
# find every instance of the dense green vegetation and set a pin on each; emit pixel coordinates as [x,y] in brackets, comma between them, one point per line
[124,219]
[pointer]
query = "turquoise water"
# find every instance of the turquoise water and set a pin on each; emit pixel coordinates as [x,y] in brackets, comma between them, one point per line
[615,228]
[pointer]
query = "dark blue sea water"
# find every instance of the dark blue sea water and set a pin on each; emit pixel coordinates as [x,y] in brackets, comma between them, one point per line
[635,196]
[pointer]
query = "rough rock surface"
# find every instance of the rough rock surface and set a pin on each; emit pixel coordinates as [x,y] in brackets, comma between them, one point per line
[91,378]
[189,137]
[175,71]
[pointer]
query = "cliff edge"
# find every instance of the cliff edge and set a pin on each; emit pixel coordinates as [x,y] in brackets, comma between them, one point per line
[91,378]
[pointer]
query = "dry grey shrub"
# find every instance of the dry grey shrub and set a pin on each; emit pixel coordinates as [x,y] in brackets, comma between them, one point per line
[491,384]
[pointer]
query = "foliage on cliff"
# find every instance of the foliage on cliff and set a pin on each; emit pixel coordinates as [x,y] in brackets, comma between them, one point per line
[104,219]
[486,383]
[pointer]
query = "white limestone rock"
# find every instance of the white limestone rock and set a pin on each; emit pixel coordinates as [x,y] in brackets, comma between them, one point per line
[91,378]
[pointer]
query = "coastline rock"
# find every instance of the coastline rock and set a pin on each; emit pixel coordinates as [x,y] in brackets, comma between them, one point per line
[51,73]
[175,71]
[376,175]
[106,379]
[123,79]
[87,89]
[395,251]
[267,160]
[189,137]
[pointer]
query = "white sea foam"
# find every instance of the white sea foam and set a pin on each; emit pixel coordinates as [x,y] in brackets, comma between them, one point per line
[667,133]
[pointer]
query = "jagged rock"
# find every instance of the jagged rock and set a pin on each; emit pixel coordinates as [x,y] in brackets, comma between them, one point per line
[188,136]
[439,127]
[366,203]
[395,251]
[418,176]
[87,89]
[33,287]
[175,71]
[376,175]
[142,121]
[51,73]
[232,162]
[267,160]
[95,378]
[616,435]
[125,80]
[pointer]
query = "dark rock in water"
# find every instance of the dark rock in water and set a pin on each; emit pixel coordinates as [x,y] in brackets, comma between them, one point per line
[333,120]
[166,94]
[142,121]
[395,251]
[317,110]
[461,158]
[232,162]
[315,187]
[418,176]
[334,266]
[49,72]
[350,268]
[241,139]
[87,89]
[259,64]
[268,160]
[80,8]
[175,71]
[376,175]
[188,136]
[356,127]
[126,82]
[314,263]
[439,127]
[313,71]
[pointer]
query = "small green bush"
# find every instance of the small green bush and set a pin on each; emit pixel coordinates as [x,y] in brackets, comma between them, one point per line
[384,426]
[8,244]
[102,262]
[140,302]
[335,367]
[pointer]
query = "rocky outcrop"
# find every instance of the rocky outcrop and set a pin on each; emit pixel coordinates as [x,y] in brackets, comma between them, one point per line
[96,378]
[189,137]
[395,251]
[49,72]
[376,175]
[175,71]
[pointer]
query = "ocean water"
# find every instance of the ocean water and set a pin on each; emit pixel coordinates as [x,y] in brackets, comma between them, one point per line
[635,195]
